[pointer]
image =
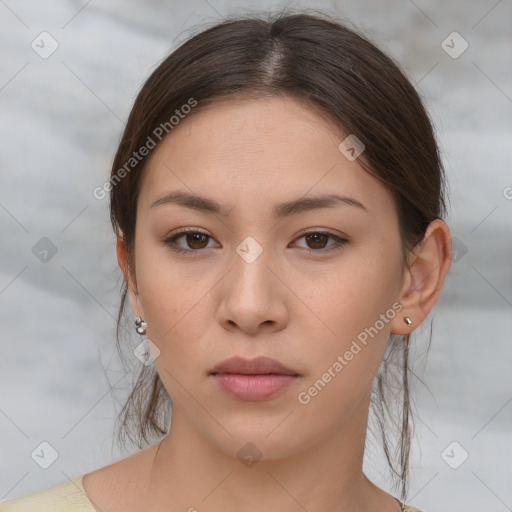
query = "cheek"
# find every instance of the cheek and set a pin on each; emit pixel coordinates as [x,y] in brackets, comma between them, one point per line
[351,295]
[176,316]
[177,321]
[345,356]
[174,305]
[349,312]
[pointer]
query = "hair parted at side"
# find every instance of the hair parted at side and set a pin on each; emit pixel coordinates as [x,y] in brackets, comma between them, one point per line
[334,69]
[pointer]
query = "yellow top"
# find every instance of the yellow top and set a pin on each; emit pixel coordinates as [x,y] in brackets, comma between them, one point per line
[69,496]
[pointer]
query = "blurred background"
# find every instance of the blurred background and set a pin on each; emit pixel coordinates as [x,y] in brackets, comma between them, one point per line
[69,73]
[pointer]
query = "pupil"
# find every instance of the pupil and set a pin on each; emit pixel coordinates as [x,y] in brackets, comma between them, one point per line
[316,236]
[196,238]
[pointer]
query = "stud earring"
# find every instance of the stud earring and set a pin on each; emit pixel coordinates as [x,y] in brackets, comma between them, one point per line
[141,326]
[407,320]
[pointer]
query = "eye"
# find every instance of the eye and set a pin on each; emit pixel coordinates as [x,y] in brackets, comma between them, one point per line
[193,238]
[318,239]
[197,241]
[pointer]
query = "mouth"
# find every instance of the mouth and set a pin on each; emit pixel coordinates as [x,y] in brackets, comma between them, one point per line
[253,380]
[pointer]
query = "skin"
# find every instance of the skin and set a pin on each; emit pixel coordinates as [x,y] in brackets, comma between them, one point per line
[300,308]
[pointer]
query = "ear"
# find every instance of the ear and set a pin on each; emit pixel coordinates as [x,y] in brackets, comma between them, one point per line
[132,286]
[429,263]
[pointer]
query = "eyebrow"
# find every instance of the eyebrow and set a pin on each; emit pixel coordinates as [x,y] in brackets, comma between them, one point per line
[281,210]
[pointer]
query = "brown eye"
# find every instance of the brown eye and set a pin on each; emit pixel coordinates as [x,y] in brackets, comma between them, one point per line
[317,239]
[194,242]
[317,242]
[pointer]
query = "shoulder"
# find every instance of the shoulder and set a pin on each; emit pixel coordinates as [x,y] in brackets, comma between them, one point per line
[405,508]
[68,496]
[109,488]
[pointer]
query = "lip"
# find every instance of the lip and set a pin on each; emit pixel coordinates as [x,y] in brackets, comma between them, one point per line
[257,366]
[253,380]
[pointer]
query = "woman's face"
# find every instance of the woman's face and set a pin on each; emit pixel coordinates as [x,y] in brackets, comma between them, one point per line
[256,284]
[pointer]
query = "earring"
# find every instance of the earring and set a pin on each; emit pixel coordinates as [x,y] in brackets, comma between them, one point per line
[141,326]
[407,320]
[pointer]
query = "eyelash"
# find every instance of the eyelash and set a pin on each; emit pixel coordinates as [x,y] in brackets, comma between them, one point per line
[170,242]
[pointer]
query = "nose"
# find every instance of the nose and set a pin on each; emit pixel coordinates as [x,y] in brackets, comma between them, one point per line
[253,296]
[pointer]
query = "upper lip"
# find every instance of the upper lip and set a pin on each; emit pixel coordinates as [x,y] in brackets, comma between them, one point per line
[257,366]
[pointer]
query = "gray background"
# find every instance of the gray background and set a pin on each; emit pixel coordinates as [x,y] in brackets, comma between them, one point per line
[61,120]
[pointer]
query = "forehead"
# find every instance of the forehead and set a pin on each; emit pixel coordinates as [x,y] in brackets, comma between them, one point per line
[264,150]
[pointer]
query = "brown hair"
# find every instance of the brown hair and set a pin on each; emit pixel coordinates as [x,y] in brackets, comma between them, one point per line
[337,71]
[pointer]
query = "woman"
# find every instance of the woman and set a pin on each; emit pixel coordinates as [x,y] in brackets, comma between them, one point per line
[277,198]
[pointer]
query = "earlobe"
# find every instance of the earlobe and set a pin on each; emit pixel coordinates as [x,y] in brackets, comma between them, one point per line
[429,263]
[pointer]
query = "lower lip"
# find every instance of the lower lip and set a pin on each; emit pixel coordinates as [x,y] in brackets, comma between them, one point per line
[253,387]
